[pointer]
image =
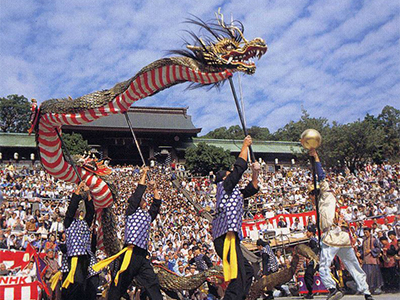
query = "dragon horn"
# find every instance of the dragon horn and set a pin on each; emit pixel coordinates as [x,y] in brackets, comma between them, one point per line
[240,32]
[220,20]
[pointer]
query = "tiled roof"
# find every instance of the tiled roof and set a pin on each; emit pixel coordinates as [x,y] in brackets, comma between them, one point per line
[17,140]
[258,146]
[145,119]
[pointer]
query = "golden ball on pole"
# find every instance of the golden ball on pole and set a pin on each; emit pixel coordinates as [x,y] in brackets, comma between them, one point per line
[311,139]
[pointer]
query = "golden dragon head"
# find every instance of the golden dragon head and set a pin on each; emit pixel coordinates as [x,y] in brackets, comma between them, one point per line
[224,46]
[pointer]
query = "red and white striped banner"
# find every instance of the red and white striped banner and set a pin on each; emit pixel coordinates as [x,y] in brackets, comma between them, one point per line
[23,291]
[14,259]
[255,225]
[252,225]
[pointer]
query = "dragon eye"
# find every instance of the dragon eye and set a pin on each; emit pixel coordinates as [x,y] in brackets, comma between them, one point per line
[229,47]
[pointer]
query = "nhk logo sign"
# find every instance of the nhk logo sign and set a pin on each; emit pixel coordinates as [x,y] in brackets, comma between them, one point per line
[13,280]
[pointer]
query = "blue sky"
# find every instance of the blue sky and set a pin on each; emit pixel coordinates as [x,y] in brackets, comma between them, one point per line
[337,59]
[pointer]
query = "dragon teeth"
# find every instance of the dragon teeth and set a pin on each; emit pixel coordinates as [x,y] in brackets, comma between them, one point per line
[230,60]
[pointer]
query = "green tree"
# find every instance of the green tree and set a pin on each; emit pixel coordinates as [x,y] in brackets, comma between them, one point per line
[260,133]
[353,144]
[15,113]
[293,130]
[334,145]
[203,158]
[75,143]
[236,133]
[389,121]
[230,133]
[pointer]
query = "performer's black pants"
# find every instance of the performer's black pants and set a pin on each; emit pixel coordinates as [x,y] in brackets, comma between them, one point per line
[139,268]
[76,290]
[238,288]
[63,291]
[92,283]
[309,276]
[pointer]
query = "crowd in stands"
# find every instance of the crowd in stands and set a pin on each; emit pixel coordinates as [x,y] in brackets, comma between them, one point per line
[371,191]
[34,205]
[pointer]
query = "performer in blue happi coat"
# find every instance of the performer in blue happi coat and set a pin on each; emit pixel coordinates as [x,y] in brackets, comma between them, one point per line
[81,281]
[134,264]
[203,262]
[269,265]
[227,223]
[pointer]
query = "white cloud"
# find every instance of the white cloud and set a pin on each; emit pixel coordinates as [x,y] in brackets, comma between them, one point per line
[336,59]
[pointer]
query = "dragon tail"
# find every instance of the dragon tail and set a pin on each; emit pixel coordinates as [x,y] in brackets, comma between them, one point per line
[112,244]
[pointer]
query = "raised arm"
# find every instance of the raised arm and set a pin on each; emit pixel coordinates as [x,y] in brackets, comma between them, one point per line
[73,205]
[244,152]
[318,166]
[89,206]
[238,169]
[252,187]
[155,206]
[93,242]
[89,211]
[134,200]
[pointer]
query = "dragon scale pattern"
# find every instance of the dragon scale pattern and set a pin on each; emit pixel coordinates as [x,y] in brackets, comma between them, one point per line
[145,85]
[142,85]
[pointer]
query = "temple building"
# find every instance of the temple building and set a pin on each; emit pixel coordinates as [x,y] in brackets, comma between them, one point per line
[161,133]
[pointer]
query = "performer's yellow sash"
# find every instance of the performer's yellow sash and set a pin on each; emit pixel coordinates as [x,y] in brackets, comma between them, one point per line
[54,280]
[230,268]
[125,263]
[71,274]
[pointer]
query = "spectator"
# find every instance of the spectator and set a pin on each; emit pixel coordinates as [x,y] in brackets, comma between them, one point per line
[282,223]
[297,226]
[52,269]
[389,272]
[281,259]
[3,242]
[370,252]
[268,225]
[29,270]
[178,221]
[3,270]
[30,226]
[57,226]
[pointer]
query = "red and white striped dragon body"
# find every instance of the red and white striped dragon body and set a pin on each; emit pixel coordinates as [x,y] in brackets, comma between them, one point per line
[202,64]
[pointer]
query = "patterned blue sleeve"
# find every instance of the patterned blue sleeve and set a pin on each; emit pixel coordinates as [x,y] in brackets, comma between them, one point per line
[320,171]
